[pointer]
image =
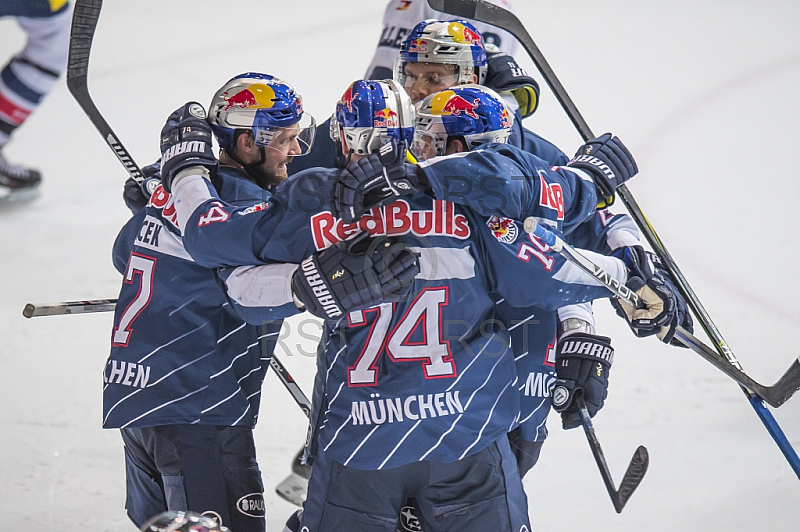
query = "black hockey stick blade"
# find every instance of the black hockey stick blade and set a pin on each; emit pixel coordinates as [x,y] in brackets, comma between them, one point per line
[84,23]
[633,474]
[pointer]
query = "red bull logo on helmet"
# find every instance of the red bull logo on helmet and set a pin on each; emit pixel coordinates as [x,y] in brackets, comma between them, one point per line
[448,103]
[418,46]
[462,34]
[505,119]
[385,118]
[258,95]
[347,98]
[503,229]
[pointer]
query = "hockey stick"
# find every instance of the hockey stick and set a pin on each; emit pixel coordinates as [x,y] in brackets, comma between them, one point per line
[33,310]
[497,16]
[633,475]
[84,22]
[774,395]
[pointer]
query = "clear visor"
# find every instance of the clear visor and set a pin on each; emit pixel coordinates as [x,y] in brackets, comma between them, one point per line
[295,140]
[427,145]
[426,77]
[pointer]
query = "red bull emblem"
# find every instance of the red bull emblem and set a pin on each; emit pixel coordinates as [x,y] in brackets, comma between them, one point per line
[448,103]
[505,120]
[256,95]
[385,118]
[462,34]
[503,229]
[418,46]
[348,97]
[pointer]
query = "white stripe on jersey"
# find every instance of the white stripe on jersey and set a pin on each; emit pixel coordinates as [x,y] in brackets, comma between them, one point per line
[249,347]
[246,410]
[233,331]
[168,243]
[361,444]
[533,412]
[231,396]
[163,405]
[336,434]
[184,335]
[488,418]
[437,263]
[402,440]
[521,322]
[461,374]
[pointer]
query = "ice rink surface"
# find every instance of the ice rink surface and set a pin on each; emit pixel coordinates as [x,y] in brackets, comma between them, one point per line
[705,93]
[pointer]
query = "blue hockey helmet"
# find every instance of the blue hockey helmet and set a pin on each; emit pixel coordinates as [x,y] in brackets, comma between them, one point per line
[476,113]
[371,112]
[454,42]
[262,104]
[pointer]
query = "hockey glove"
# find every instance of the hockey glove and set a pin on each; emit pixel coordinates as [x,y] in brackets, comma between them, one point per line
[375,180]
[505,74]
[684,316]
[582,364]
[348,276]
[137,195]
[658,311]
[609,163]
[185,142]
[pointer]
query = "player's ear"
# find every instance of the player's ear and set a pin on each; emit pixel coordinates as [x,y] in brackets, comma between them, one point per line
[245,142]
[455,145]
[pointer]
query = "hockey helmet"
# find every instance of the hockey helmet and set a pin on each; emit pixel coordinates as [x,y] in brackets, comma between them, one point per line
[454,42]
[174,521]
[262,104]
[371,112]
[476,113]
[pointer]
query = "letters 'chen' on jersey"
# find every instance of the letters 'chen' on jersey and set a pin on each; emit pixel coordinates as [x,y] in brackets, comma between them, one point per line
[180,353]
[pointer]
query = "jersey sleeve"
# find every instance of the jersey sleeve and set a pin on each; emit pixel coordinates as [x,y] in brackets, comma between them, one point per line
[506,181]
[260,293]
[123,245]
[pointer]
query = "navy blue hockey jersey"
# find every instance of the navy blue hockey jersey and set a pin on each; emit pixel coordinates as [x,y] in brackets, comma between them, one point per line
[393,370]
[180,353]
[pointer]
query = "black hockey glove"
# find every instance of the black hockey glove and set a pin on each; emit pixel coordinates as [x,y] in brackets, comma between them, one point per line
[185,142]
[609,163]
[375,180]
[137,195]
[582,364]
[348,276]
[505,74]
[658,312]
[684,316]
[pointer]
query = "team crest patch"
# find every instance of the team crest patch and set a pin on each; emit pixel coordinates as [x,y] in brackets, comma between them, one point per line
[503,229]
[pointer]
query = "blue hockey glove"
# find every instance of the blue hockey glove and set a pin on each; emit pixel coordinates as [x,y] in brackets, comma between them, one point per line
[609,163]
[505,75]
[351,275]
[137,195]
[185,142]
[375,180]
[583,362]
[658,314]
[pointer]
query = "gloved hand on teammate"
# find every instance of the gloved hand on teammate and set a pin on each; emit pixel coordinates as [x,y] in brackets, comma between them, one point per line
[351,275]
[375,180]
[583,361]
[609,163]
[684,316]
[137,195]
[658,313]
[185,142]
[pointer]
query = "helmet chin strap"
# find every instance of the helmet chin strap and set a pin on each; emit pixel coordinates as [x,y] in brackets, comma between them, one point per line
[253,170]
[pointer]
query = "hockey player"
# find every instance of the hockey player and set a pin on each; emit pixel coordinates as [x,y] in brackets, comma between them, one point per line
[432,59]
[184,375]
[379,431]
[27,78]
[402,15]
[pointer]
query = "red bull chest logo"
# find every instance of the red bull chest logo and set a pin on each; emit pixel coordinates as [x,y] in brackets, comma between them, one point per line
[394,219]
[503,229]
[258,95]
[446,103]
[385,118]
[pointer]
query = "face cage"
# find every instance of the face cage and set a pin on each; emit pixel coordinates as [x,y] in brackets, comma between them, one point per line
[307,128]
[427,144]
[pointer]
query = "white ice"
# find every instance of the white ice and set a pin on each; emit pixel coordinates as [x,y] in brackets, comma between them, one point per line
[704,92]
